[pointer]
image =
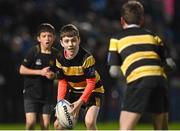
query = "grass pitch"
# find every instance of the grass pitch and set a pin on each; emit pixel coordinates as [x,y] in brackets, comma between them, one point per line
[81,126]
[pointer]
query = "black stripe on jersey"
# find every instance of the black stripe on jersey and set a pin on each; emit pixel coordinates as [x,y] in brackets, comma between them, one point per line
[133,31]
[143,62]
[114,58]
[75,78]
[99,84]
[90,72]
[134,48]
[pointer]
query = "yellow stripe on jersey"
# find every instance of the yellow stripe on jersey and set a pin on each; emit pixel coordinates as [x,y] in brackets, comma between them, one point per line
[136,57]
[113,45]
[97,90]
[78,88]
[73,70]
[135,40]
[58,64]
[145,71]
[159,41]
[88,62]
[97,76]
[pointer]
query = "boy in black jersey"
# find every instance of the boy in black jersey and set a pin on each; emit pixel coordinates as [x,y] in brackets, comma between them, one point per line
[77,71]
[141,56]
[38,68]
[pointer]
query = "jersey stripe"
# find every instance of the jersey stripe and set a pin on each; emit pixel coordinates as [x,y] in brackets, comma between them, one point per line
[73,70]
[88,62]
[135,40]
[136,57]
[145,71]
[113,45]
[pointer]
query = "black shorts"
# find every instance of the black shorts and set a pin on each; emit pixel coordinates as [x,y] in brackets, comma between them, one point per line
[37,107]
[149,94]
[94,99]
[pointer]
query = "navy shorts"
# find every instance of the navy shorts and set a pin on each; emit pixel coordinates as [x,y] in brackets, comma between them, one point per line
[37,107]
[149,94]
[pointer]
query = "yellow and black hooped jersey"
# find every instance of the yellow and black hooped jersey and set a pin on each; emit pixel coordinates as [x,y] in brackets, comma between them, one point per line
[77,70]
[139,53]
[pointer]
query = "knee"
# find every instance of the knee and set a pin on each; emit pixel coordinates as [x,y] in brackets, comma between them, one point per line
[57,126]
[90,124]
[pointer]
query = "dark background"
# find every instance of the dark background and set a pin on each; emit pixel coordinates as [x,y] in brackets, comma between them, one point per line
[97,20]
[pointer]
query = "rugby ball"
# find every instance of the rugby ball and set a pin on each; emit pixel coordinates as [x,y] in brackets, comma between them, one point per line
[65,119]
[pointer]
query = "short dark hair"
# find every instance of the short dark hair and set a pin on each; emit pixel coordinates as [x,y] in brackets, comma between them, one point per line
[132,12]
[45,27]
[69,30]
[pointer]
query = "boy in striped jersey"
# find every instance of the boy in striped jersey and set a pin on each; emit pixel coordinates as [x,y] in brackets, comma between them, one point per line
[78,78]
[140,55]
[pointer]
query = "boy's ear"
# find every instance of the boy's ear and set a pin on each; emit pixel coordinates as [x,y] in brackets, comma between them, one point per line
[122,20]
[61,43]
[142,21]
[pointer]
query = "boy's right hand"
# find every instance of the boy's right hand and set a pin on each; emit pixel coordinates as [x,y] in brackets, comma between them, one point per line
[44,71]
[50,75]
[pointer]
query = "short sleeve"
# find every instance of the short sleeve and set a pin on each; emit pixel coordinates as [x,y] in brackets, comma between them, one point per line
[89,67]
[113,57]
[29,58]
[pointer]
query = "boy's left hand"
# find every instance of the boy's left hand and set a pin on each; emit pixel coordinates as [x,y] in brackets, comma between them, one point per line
[76,108]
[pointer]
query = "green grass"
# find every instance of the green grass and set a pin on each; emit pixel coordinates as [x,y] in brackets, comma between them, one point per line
[81,126]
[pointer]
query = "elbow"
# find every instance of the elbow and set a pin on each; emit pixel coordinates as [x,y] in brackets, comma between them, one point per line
[170,62]
[21,70]
[115,71]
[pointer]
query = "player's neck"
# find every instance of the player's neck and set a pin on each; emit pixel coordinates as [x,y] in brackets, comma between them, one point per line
[69,54]
[45,50]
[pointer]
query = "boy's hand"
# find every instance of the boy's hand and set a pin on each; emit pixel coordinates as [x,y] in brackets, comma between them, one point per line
[76,108]
[50,75]
[44,71]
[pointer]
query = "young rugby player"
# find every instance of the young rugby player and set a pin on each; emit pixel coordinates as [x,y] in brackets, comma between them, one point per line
[78,77]
[141,56]
[38,69]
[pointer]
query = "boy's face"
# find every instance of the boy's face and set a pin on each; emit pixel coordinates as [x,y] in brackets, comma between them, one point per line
[70,44]
[46,39]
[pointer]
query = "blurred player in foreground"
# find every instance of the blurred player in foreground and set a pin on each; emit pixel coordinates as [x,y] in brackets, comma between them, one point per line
[78,78]
[141,55]
[38,68]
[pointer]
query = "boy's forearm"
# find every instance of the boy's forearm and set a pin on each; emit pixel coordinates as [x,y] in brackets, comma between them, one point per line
[62,87]
[27,71]
[88,90]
